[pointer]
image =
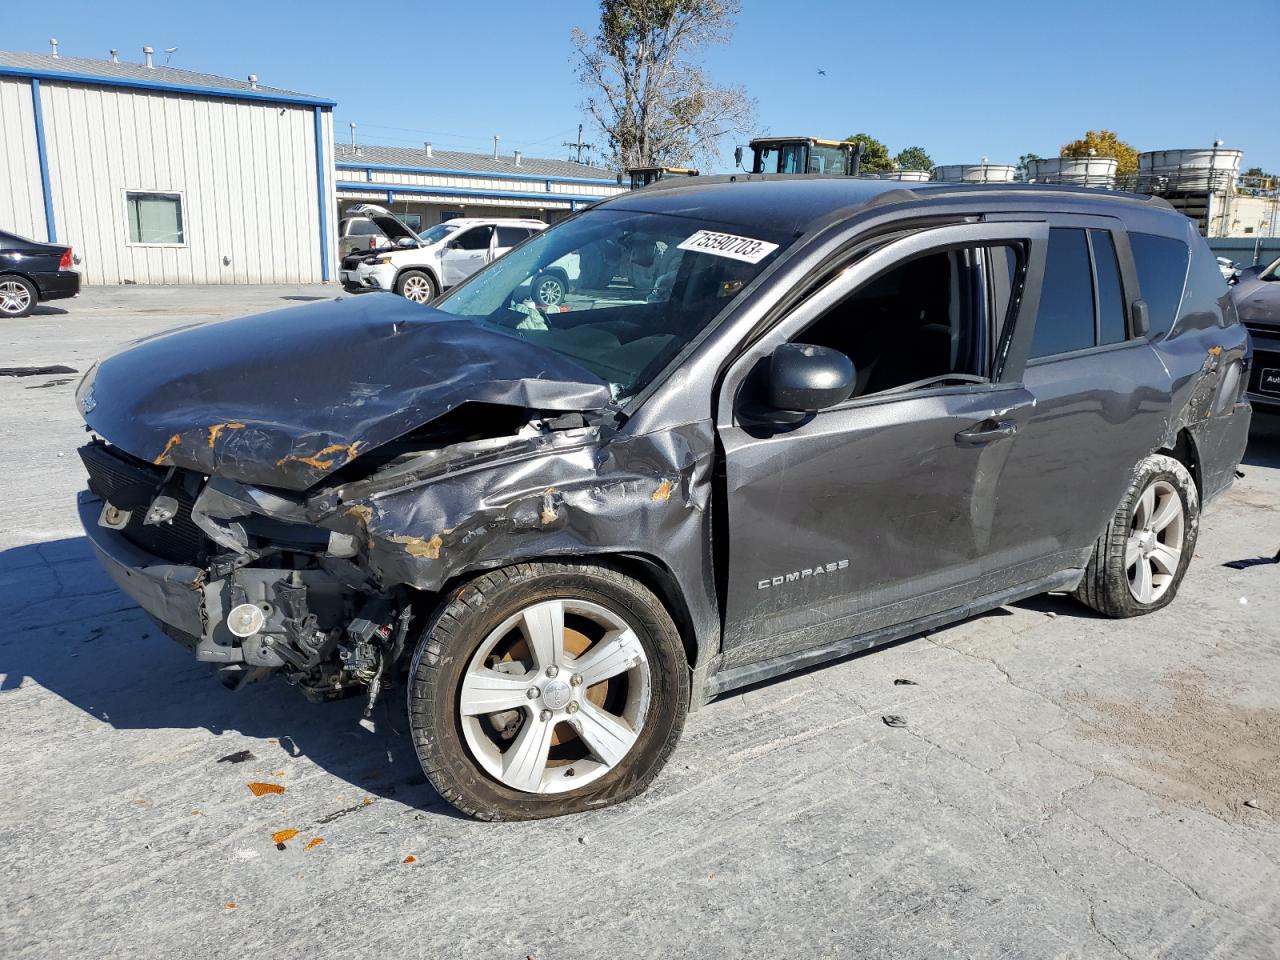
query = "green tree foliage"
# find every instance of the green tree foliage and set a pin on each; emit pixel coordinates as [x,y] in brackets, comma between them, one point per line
[913,158]
[1103,143]
[1024,162]
[645,88]
[875,155]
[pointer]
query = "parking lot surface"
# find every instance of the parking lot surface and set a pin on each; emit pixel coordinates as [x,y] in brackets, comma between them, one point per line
[1063,786]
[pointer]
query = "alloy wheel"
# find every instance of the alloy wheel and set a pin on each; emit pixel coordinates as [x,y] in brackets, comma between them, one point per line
[14,297]
[417,289]
[1153,549]
[555,697]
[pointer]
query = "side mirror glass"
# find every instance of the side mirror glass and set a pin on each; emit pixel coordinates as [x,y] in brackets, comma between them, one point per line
[804,378]
[1140,320]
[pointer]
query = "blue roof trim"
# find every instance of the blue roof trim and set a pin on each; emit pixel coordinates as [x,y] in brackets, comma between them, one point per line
[390,188]
[453,172]
[225,93]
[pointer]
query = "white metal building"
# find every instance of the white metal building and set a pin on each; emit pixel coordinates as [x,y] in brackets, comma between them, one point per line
[427,186]
[159,175]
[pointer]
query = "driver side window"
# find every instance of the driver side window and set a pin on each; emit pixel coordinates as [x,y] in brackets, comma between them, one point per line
[923,320]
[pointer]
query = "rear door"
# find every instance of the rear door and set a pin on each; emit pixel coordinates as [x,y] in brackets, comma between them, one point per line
[465,253]
[1101,401]
[876,511]
[507,237]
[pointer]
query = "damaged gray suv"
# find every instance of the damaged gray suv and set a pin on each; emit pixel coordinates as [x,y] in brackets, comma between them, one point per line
[773,422]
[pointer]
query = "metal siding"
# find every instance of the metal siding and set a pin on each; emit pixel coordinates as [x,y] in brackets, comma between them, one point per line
[21,198]
[245,170]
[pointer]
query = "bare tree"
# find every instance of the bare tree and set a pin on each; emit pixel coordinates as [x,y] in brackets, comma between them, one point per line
[645,88]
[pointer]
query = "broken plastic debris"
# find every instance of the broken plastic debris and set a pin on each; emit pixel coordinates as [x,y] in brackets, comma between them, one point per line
[280,837]
[313,843]
[240,756]
[410,859]
[893,720]
[1253,804]
[259,789]
[230,904]
[901,682]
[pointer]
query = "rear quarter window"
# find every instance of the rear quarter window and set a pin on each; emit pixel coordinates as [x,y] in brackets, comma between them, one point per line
[1161,263]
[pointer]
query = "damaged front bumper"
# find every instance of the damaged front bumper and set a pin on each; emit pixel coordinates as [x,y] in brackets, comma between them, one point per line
[299,617]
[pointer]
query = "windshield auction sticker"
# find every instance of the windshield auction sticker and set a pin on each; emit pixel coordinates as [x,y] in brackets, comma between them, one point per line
[728,245]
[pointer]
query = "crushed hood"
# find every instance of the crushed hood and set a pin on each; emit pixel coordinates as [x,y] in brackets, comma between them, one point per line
[284,398]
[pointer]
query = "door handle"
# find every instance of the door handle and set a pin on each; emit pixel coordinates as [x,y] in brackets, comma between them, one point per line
[986,432]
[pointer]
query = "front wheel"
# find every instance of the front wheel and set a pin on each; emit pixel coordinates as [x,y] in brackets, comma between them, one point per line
[547,688]
[18,296]
[1139,561]
[416,286]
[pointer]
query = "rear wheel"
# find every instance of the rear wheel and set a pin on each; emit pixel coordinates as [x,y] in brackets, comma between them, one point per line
[549,289]
[547,688]
[1139,561]
[18,295]
[416,286]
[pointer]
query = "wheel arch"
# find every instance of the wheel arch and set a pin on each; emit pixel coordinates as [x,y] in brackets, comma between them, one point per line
[1184,450]
[25,276]
[645,568]
[424,268]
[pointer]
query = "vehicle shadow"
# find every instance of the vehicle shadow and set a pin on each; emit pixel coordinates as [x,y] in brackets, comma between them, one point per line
[1264,441]
[72,632]
[43,310]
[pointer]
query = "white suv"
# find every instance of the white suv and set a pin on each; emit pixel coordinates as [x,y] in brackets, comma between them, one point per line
[419,266]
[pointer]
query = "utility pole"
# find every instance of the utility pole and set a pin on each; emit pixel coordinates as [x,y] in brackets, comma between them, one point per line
[579,145]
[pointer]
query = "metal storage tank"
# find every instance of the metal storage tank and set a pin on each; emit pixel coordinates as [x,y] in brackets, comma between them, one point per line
[1198,170]
[1079,171]
[914,176]
[975,172]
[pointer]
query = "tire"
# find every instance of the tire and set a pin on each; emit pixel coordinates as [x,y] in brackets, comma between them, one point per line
[18,296]
[417,285]
[549,289]
[1162,504]
[474,760]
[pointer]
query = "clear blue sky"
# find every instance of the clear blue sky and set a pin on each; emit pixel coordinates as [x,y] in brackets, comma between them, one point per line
[962,80]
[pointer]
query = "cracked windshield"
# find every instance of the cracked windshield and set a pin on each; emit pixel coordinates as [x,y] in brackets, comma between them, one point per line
[619,292]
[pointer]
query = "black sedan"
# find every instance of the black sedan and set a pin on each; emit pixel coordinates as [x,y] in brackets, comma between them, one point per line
[31,273]
[1257,297]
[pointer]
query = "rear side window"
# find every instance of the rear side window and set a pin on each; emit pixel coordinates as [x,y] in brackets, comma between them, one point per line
[510,236]
[363,228]
[1111,321]
[1065,320]
[1162,272]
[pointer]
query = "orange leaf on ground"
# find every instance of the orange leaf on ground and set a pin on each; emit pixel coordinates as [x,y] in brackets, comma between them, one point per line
[281,836]
[230,904]
[410,859]
[260,788]
[314,842]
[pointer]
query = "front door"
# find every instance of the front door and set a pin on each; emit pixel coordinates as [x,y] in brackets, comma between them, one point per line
[465,254]
[876,511]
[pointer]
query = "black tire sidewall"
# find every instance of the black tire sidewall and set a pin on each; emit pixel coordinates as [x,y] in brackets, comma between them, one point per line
[451,639]
[34,295]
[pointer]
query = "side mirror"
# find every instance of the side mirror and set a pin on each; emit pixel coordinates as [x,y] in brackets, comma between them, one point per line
[406,242]
[1139,319]
[804,379]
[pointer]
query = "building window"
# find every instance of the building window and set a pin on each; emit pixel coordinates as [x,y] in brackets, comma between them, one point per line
[154,217]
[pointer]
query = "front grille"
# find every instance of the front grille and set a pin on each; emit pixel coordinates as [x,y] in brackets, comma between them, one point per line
[351,262]
[129,483]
